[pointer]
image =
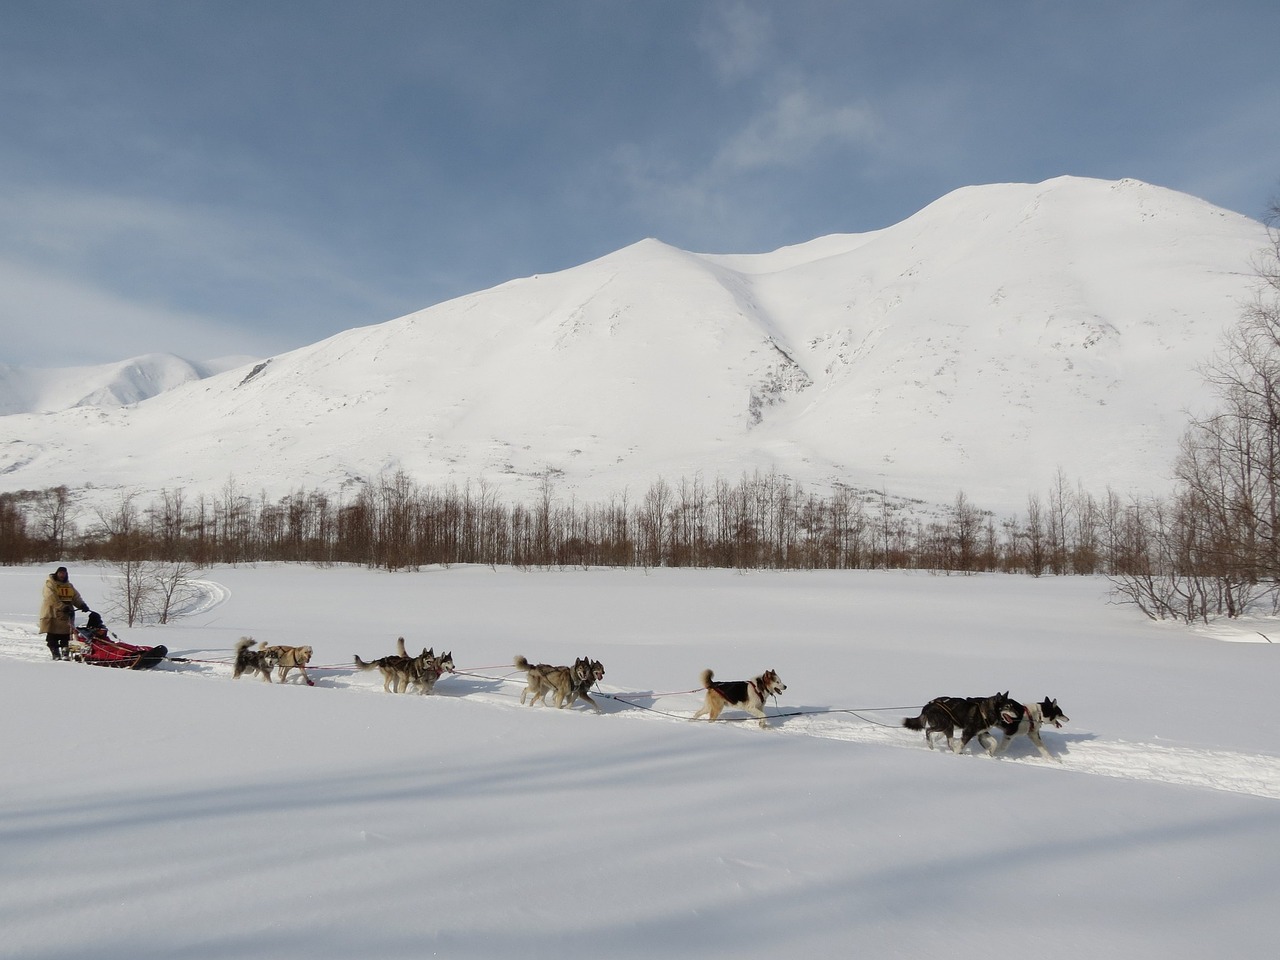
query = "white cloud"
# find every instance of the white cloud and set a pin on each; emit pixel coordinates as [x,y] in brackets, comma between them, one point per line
[792,128]
[96,276]
[701,203]
[738,39]
[666,191]
[55,319]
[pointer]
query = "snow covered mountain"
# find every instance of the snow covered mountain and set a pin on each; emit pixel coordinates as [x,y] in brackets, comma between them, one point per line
[26,390]
[1000,335]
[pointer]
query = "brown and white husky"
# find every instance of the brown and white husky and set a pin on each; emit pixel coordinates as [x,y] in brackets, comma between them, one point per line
[748,695]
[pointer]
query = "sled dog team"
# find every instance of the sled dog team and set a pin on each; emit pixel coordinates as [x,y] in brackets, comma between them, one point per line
[974,717]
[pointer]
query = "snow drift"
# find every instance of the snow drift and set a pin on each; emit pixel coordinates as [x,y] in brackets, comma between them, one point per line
[179,813]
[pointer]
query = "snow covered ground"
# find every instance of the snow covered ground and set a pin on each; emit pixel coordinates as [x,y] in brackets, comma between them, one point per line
[179,814]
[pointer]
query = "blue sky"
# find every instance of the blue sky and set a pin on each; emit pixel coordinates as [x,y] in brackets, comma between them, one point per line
[229,177]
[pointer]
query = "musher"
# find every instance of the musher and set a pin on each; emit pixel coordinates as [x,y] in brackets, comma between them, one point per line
[57,608]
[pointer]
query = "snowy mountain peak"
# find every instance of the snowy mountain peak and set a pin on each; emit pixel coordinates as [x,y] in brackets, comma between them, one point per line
[1000,334]
[33,390]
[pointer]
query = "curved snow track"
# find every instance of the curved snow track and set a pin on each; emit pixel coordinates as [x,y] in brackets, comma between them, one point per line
[1255,775]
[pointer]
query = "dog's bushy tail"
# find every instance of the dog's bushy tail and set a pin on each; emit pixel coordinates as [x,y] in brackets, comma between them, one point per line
[914,723]
[707,676]
[520,663]
[244,644]
[361,665]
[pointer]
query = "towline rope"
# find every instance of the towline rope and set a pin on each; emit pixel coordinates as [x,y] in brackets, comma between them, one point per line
[629,698]
[231,662]
[817,711]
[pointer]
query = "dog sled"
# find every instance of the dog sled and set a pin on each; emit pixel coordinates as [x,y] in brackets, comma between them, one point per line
[94,644]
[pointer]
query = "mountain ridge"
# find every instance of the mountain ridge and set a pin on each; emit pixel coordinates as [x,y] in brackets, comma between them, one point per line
[998,336]
[48,390]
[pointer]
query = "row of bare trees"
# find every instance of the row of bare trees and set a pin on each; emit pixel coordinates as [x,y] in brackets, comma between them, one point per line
[759,521]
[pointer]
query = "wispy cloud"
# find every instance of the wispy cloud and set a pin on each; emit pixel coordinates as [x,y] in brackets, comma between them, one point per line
[791,128]
[667,191]
[728,193]
[778,118]
[738,40]
[57,318]
[119,276]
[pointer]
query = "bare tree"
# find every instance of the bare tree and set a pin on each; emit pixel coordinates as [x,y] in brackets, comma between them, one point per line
[173,587]
[654,520]
[1037,552]
[122,529]
[54,512]
[966,528]
[1215,548]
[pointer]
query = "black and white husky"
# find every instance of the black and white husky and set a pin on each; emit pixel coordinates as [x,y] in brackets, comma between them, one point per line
[972,716]
[748,695]
[1029,721]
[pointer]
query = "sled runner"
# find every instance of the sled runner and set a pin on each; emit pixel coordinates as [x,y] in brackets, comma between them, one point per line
[93,644]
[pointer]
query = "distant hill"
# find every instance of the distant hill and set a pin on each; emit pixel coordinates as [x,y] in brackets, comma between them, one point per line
[1000,335]
[27,390]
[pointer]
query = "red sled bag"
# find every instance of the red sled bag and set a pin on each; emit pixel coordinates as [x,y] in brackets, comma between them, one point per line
[102,650]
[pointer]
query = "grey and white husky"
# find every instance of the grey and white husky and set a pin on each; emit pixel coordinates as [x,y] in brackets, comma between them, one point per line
[399,669]
[427,670]
[569,684]
[586,674]
[250,660]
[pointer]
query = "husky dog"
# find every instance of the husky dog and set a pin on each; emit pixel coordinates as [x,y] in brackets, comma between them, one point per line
[543,678]
[428,669]
[398,669]
[423,670]
[1029,721]
[291,658]
[586,673]
[748,695]
[973,715]
[567,683]
[252,661]
[391,667]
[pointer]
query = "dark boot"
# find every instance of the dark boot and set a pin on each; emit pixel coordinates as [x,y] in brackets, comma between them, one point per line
[64,650]
[52,644]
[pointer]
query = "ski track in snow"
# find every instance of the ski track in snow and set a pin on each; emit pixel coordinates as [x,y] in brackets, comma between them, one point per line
[1256,775]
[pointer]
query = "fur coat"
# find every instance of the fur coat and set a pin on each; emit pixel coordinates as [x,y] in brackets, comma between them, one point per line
[54,617]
